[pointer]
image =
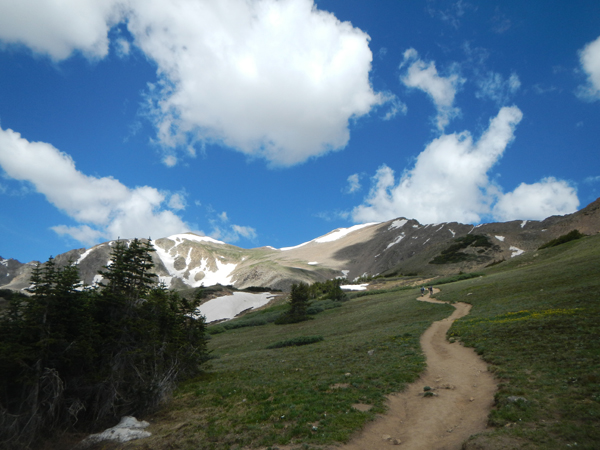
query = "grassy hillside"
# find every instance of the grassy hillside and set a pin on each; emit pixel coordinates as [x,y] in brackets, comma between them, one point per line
[535,320]
[254,396]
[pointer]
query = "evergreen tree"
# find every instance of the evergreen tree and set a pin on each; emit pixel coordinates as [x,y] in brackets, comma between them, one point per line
[72,355]
[298,305]
[41,347]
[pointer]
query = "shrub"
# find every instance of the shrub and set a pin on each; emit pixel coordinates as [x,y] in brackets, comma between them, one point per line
[72,356]
[299,303]
[453,253]
[296,342]
[571,236]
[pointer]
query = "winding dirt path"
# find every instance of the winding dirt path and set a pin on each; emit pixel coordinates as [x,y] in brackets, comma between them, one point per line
[463,396]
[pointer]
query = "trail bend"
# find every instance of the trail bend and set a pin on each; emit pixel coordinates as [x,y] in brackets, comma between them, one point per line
[463,397]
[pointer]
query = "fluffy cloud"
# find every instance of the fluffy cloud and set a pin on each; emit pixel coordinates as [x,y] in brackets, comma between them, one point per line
[537,201]
[449,182]
[589,58]
[273,79]
[56,28]
[441,90]
[276,79]
[105,208]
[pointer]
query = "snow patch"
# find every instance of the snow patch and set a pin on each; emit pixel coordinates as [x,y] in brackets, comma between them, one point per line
[312,263]
[516,251]
[333,236]
[395,241]
[97,279]
[439,228]
[229,306]
[415,226]
[179,238]
[128,429]
[83,256]
[341,232]
[426,241]
[523,223]
[452,231]
[398,224]
[354,287]
[222,275]
[500,238]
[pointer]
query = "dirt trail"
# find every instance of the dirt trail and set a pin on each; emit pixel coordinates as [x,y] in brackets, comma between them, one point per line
[463,396]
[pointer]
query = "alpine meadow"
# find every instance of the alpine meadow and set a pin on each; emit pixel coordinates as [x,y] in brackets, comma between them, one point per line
[299,225]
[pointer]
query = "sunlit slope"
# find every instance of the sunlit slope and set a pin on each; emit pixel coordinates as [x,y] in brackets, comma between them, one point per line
[536,321]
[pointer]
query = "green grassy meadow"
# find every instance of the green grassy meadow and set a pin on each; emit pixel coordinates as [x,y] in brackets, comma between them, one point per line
[535,320]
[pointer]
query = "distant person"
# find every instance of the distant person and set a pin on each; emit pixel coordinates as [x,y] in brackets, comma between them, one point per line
[430,291]
[422,290]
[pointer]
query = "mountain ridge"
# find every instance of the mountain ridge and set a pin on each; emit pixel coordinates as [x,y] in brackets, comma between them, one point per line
[399,246]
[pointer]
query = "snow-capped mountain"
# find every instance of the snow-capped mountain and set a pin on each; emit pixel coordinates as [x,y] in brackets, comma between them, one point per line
[399,246]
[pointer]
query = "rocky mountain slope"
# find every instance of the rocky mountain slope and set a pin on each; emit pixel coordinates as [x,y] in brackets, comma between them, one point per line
[399,246]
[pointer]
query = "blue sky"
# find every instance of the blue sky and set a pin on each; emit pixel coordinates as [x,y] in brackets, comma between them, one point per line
[274,122]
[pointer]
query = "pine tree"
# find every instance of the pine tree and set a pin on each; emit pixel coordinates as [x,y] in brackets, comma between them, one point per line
[73,355]
[298,305]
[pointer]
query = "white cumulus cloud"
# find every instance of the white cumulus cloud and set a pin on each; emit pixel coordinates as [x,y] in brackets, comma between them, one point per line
[539,200]
[104,207]
[449,182]
[58,28]
[589,57]
[274,79]
[442,90]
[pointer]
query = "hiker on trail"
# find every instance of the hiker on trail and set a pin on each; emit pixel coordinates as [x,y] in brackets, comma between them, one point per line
[430,291]
[422,290]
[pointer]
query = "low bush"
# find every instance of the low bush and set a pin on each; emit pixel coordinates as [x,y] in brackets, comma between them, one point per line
[322,305]
[571,236]
[453,253]
[459,277]
[296,342]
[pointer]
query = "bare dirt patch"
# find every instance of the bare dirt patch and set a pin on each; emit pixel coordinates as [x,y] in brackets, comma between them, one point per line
[459,396]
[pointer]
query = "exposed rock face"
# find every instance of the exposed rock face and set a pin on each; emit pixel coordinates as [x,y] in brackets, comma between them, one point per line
[14,274]
[400,246]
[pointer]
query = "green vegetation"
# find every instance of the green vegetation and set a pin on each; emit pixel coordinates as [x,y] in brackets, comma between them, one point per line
[459,277]
[298,305]
[296,342]
[325,295]
[571,236]
[453,254]
[253,396]
[535,321]
[85,357]
[380,291]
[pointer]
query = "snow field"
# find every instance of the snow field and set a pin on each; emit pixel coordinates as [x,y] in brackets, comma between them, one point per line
[229,306]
